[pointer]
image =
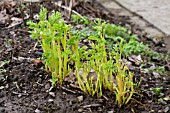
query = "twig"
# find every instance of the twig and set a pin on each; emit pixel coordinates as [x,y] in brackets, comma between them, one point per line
[39,83]
[105,97]
[68,90]
[132,110]
[74,86]
[64,7]
[92,105]
[33,47]
[66,4]
[70,6]
[25,94]
[17,86]
[139,102]
[23,58]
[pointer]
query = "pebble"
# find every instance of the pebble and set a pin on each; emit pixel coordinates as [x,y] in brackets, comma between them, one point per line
[80,98]
[167,98]
[47,86]
[162,101]
[2,87]
[156,75]
[160,111]
[7,86]
[100,109]
[64,93]
[37,111]
[100,100]
[166,109]
[70,103]
[19,95]
[152,67]
[149,101]
[50,100]
[152,111]
[52,94]
[80,110]
[110,112]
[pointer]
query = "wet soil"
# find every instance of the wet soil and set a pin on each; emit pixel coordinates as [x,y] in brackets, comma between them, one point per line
[26,88]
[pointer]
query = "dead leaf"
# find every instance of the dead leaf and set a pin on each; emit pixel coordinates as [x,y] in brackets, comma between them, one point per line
[36,61]
[135,59]
[156,75]
[15,21]
[10,6]
[4,19]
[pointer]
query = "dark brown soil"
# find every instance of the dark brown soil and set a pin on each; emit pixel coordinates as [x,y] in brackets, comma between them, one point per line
[25,86]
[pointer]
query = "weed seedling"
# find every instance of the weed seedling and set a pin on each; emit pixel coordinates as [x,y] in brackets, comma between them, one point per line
[157,91]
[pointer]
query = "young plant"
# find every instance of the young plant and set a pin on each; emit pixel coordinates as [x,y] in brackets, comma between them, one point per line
[99,69]
[52,35]
[117,78]
[124,88]
[87,84]
[157,91]
[90,82]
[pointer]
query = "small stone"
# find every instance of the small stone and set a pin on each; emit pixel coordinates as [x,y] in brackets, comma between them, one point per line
[152,111]
[164,78]
[2,87]
[7,86]
[156,75]
[163,45]
[64,93]
[167,98]
[80,110]
[166,109]
[160,111]
[50,100]
[70,103]
[80,98]
[101,100]
[149,101]
[19,95]
[162,101]
[47,86]
[100,109]
[152,67]
[110,112]
[85,40]
[37,111]
[52,94]
[156,41]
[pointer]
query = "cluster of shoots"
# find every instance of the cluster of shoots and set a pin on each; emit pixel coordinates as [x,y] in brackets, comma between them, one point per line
[52,35]
[94,67]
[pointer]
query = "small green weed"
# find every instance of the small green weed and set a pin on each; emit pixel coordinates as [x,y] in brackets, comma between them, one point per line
[157,91]
[2,69]
[113,34]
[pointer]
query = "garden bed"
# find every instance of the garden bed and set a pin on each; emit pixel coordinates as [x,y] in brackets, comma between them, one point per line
[25,85]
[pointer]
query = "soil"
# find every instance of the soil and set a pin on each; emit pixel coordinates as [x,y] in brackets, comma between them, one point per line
[26,88]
